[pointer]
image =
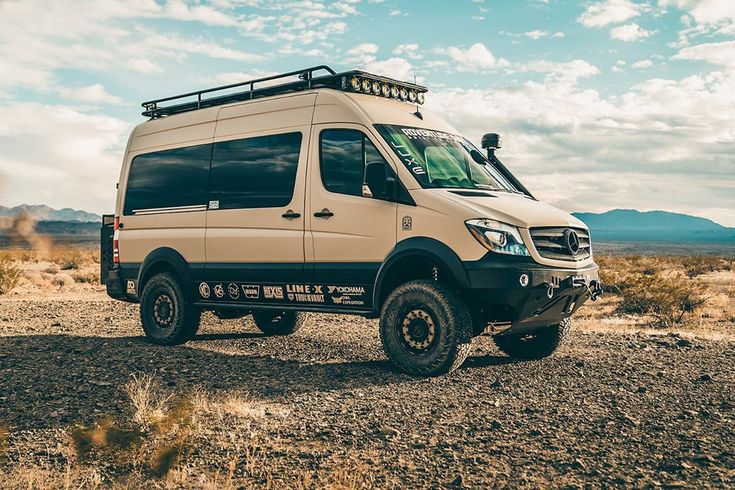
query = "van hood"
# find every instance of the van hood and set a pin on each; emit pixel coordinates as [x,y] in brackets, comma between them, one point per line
[514,209]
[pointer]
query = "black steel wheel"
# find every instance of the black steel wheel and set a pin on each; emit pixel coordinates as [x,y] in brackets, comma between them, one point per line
[426,328]
[166,316]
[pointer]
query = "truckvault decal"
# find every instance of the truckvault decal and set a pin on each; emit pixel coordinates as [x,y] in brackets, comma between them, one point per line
[338,295]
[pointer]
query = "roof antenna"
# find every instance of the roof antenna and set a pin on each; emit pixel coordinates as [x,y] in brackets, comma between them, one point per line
[418,112]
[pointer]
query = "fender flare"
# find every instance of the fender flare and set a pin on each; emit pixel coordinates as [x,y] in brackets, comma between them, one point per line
[171,257]
[427,247]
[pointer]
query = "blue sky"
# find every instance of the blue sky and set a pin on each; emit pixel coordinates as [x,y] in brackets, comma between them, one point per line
[602,104]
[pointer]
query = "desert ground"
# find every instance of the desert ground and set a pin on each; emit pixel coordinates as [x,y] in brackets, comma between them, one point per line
[642,394]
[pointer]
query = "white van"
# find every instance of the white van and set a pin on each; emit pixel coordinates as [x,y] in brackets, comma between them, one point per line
[337,193]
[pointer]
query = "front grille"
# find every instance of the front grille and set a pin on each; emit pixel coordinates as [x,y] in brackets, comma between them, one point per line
[551,243]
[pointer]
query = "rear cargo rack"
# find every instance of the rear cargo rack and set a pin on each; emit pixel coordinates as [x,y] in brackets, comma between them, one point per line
[306,81]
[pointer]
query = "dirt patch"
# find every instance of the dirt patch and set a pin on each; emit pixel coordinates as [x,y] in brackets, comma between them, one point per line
[323,408]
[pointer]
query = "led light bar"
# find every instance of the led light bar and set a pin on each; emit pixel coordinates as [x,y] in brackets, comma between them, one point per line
[366,83]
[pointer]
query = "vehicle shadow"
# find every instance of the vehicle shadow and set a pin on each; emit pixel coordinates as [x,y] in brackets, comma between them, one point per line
[48,380]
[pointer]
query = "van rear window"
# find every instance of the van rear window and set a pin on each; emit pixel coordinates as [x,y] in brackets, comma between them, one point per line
[255,172]
[169,178]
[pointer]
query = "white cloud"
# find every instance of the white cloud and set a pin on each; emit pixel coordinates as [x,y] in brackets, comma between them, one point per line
[57,151]
[705,11]
[600,14]
[143,65]
[566,72]
[722,53]
[473,59]
[629,32]
[558,34]
[641,64]
[536,34]
[398,68]
[361,53]
[581,150]
[411,50]
[395,13]
[90,94]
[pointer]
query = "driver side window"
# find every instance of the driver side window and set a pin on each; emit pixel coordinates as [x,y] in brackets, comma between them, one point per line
[343,156]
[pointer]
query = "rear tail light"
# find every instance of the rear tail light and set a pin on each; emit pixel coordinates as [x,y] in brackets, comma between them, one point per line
[116,241]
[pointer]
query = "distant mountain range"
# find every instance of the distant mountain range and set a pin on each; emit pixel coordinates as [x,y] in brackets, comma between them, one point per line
[630,225]
[41,212]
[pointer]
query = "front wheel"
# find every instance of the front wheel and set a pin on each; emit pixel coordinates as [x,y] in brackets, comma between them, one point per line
[535,345]
[426,328]
[278,322]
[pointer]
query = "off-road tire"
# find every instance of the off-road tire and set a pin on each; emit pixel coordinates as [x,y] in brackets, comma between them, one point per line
[449,315]
[536,345]
[182,323]
[272,322]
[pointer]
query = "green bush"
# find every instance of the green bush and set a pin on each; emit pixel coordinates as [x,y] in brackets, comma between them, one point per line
[665,298]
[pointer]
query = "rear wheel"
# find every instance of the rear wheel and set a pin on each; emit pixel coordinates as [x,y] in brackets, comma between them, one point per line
[166,316]
[426,328]
[535,345]
[278,322]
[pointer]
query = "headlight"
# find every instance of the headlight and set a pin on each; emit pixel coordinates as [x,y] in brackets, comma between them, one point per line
[497,237]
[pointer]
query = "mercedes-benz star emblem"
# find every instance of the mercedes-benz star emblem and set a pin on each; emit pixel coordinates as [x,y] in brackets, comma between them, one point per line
[572,240]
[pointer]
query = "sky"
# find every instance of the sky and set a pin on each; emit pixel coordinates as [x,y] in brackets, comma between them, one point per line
[602,104]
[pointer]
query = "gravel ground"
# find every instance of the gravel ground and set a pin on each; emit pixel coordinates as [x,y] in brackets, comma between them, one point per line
[620,409]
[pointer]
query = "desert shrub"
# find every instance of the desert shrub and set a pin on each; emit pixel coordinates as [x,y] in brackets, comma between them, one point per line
[88,278]
[666,298]
[62,280]
[74,257]
[695,266]
[105,437]
[10,275]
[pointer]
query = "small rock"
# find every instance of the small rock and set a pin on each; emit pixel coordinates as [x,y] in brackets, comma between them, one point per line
[642,389]
[683,343]
[389,432]
[705,377]
[496,384]
[495,424]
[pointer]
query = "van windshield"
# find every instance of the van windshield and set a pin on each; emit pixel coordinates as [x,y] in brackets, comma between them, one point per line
[439,159]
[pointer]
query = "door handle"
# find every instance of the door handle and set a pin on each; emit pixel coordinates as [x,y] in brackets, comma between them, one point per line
[291,215]
[324,213]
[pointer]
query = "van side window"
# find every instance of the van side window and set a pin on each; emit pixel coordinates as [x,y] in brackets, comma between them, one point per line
[168,178]
[255,172]
[344,153]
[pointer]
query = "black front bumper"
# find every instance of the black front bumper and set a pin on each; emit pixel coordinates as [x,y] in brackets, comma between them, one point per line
[549,295]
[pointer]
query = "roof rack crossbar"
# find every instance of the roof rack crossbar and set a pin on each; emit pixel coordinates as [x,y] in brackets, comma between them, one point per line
[306,81]
[153,110]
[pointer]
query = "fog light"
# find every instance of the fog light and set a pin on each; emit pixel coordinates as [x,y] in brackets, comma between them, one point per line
[523,280]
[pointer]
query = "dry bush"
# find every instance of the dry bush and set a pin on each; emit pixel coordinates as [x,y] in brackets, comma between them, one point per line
[148,399]
[52,269]
[73,257]
[695,266]
[105,437]
[62,280]
[663,288]
[88,278]
[10,275]
[46,478]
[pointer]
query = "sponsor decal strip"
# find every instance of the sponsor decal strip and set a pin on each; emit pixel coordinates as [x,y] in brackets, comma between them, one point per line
[313,294]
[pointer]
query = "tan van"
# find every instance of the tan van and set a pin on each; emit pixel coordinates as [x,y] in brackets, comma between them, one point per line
[336,192]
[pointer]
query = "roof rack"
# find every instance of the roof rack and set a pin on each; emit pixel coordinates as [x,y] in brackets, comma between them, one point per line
[353,80]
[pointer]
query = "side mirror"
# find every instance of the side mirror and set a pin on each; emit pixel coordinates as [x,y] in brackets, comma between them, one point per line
[379,184]
[491,141]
